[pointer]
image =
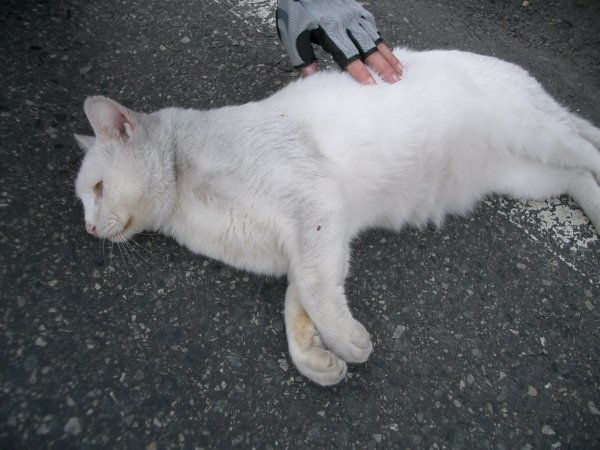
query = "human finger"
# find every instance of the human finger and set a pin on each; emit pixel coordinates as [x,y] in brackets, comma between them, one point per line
[390,58]
[382,67]
[360,72]
[309,70]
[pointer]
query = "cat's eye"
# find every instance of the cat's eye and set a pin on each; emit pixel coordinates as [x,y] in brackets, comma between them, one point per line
[98,187]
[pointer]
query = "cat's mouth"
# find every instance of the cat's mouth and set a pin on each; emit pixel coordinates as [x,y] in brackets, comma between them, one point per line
[123,234]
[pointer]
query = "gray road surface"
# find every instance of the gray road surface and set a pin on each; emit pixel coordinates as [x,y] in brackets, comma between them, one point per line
[485,331]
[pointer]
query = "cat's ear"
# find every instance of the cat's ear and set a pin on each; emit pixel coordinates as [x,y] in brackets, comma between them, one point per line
[109,119]
[85,142]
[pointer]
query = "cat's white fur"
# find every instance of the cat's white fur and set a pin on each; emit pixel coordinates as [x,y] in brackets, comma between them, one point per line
[281,186]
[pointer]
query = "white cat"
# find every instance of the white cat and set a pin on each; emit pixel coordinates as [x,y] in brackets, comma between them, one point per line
[283,185]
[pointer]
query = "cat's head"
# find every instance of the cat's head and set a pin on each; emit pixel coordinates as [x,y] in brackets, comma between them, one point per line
[122,178]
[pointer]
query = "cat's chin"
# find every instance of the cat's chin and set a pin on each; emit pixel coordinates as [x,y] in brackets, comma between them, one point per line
[122,235]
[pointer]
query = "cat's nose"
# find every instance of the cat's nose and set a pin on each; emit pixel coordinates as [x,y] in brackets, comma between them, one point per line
[91,229]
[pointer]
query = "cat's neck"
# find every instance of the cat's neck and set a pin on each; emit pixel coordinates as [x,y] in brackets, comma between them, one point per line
[186,130]
[181,133]
[172,132]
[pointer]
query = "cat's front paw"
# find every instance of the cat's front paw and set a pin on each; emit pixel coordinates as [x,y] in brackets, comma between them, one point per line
[320,365]
[350,341]
[309,355]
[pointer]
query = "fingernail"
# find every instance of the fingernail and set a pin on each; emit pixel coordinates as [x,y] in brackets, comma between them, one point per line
[395,78]
[371,82]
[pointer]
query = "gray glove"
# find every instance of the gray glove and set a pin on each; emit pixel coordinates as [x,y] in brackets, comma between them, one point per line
[343,28]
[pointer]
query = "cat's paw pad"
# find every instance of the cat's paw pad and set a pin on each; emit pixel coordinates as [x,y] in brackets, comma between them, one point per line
[351,342]
[313,360]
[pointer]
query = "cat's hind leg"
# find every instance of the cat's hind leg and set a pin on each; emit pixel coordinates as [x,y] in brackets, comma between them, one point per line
[587,131]
[571,145]
[534,181]
[584,189]
[306,349]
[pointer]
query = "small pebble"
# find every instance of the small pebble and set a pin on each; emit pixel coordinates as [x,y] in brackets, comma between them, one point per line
[502,395]
[532,392]
[399,331]
[42,430]
[73,426]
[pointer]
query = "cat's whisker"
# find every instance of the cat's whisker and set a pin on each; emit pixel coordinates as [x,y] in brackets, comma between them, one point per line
[112,254]
[102,244]
[131,252]
[147,234]
[140,255]
[124,260]
[133,241]
[126,248]
[131,263]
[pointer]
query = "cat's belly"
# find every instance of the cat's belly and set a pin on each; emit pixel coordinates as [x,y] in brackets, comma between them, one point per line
[247,239]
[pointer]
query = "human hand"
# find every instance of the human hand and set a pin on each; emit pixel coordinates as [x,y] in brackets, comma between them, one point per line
[383,62]
[344,29]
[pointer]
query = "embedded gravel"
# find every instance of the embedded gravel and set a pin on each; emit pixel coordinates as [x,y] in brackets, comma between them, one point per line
[485,331]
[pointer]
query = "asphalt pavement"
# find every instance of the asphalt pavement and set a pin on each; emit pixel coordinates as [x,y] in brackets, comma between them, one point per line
[486,331]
